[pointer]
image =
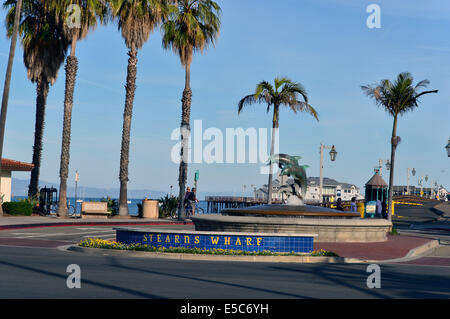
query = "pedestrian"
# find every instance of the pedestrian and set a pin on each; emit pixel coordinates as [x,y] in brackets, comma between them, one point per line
[353,205]
[339,205]
[379,208]
[192,199]
[384,209]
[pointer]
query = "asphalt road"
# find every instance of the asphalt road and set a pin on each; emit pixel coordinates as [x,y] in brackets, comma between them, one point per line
[41,273]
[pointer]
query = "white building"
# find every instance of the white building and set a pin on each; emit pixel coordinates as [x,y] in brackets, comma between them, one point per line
[331,190]
[8,166]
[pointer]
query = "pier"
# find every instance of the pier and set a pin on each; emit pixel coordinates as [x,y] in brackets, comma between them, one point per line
[217,203]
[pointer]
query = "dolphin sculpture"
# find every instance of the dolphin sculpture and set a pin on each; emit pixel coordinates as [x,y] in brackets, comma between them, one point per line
[289,167]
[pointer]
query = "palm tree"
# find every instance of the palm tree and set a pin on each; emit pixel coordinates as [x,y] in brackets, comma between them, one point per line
[285,92]
[45,49]
[85,13]
[5,96]
[136,20]
[192,27]
[396,98]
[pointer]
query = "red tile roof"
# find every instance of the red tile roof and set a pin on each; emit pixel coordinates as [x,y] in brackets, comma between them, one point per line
[12,165]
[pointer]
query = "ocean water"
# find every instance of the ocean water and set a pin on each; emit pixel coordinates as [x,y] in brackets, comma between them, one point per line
[132,206]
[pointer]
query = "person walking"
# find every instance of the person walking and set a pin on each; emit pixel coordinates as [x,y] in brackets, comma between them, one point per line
[353,207]
[339,205]
[379,209]
[192,200]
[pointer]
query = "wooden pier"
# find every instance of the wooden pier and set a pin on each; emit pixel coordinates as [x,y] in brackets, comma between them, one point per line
[217,203]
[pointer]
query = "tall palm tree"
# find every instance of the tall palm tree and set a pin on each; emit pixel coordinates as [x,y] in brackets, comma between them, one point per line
[85,14]
[397,98]
[192,27]
[136,20]
[45,48]
[5,96]
[286,93]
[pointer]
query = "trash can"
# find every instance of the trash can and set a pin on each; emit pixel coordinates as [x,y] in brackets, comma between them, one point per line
[150,208]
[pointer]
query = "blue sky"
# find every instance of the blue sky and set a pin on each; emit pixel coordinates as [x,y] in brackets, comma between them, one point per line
[323,44]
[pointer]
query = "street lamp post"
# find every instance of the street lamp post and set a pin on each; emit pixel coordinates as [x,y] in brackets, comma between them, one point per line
[413,171]
[333,154]
[380,166]
[422,178]
[448,148]
[254,190]
[77,178]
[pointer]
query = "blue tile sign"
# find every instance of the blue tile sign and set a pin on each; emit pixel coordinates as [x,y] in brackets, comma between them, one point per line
[299,243]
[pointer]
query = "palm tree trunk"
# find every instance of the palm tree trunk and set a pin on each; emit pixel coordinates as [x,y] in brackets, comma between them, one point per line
[42,88]
[272,147]
[12,50]
[127,115]
[71,73]
[394,143]
[185,133]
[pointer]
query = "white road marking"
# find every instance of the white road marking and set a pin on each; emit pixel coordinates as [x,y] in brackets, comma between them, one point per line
[99,236]
[89,228]
[68,234]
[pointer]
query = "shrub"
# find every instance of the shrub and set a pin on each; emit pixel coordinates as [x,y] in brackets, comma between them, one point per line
[18,208]
[113,207]
[168,206]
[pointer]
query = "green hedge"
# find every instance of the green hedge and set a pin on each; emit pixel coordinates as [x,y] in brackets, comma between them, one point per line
[17,208]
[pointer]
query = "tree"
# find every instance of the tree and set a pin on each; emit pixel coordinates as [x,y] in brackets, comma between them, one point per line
[5,96]
[192,26]
[79,17]
[397,98]
[136,20]
[44,51]
[286,93]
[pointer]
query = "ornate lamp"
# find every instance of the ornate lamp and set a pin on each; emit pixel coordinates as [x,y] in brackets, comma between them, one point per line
[333,153]
[448,148]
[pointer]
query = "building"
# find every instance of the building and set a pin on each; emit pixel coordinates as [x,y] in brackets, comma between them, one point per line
[331,190]
[8,166]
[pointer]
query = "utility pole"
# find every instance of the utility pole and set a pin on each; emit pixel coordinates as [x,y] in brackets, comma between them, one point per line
[407,178]
[333,154]
[12,50]
[77,178]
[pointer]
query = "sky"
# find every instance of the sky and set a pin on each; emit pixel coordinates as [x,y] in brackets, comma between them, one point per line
[326,45]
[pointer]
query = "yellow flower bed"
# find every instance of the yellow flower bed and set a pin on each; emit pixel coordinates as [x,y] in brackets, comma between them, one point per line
[107,244]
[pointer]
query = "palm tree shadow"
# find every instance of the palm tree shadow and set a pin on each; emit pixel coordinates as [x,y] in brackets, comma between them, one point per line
[114,262]
[132,292]
[411,285]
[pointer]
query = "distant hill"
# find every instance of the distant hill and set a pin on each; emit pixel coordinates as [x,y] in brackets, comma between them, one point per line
[19,187]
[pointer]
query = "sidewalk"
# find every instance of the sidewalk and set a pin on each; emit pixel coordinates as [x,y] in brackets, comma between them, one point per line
[397,247]
[16,222]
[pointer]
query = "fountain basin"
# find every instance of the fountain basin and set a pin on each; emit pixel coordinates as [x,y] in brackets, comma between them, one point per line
[337,230]
[274,210]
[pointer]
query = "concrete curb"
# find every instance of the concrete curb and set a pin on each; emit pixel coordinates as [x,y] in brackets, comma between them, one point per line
[199,257]
[412,254]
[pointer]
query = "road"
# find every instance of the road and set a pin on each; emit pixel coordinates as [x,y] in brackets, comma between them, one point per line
[32,266]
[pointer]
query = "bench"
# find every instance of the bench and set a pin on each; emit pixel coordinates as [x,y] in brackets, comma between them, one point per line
[94,210]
